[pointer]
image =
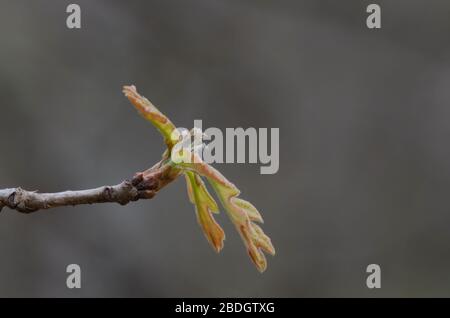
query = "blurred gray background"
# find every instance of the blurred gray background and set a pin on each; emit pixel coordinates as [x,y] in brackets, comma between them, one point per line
[364,118]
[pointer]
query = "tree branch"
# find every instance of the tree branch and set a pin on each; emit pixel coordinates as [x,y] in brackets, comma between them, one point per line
[144,185]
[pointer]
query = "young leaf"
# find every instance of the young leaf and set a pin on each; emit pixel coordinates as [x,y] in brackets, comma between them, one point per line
[152,114]
[242,213]
[205,206]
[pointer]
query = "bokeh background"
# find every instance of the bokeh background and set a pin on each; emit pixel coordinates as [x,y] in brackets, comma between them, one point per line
[364,118]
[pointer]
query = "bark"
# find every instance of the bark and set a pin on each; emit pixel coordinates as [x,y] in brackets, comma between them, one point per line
[144,185]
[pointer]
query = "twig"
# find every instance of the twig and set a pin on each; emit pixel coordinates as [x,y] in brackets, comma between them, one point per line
[144,185]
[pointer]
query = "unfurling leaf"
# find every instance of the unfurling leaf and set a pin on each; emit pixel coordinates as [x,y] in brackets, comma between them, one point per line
[151,113]
[205,206]
[242,213]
